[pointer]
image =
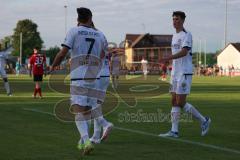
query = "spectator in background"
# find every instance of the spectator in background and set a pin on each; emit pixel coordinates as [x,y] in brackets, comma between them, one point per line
[216,70]
[164,71]
[233,71]
[18,67]
[221,71]
[229,71]
[225,71]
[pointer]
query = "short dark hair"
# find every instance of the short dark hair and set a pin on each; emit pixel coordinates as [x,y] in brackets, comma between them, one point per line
[84,14]
[180,14]
[36,47]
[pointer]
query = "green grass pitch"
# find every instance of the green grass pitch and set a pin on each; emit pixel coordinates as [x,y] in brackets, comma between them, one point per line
[30,131]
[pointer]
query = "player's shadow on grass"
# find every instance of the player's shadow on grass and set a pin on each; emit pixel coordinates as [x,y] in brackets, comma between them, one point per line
[59,82]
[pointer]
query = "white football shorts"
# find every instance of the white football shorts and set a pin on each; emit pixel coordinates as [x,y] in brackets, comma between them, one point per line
[181,85]
[83,93]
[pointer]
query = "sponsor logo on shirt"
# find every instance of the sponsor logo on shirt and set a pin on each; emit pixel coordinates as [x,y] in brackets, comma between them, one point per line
[178,44]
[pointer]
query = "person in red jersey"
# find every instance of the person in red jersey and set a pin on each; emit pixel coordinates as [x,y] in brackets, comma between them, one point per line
[164,71]
[36,64]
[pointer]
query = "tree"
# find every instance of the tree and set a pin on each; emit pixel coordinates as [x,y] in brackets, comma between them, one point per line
[30,37]
[52,52]
[210,58]
[5,42]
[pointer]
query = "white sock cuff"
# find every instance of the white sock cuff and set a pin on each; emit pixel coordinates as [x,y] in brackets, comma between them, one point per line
[99,119]
[187,107]
[176,109]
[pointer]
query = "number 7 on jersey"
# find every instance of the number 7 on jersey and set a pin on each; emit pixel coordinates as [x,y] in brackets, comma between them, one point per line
[92,41]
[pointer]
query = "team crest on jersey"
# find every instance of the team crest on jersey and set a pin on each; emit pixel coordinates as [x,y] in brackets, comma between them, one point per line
[184,85]
[180,42]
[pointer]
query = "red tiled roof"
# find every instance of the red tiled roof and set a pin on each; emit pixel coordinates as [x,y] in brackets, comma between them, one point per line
[237,46]
[155,40]
[132,37]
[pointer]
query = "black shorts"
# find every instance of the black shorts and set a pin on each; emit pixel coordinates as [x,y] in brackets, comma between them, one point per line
[37,78]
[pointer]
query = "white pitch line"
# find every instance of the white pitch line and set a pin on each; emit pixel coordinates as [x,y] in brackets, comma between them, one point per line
[14,96]
[38,111]
[17,103]
[154,135]
[27,96]
[181,140]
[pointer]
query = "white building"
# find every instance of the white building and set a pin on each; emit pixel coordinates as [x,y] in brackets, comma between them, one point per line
[230,56]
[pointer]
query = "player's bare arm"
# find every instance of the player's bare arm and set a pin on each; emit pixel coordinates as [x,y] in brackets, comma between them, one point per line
[180,54]
[59,57]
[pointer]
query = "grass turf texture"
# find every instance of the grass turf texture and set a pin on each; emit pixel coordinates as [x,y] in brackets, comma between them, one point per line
[36,136]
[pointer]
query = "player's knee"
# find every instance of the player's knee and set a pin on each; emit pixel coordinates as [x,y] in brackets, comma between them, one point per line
[75,109]
[5,80]
[174,102]
[181,103]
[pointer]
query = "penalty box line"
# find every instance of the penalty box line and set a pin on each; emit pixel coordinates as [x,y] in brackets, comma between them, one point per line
[154,135]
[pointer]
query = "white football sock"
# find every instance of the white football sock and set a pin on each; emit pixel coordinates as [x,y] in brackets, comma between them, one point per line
[7,87]
[82,126]
[192,110]
[102,121]
[97,114]
[97,130]
[175,117]
[89,123]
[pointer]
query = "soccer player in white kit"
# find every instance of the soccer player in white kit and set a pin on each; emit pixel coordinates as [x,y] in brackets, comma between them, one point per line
[144,67]
[181,77]
[115,68]
[87,45]
[3,57]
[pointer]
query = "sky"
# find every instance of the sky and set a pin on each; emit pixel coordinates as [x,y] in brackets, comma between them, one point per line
[205,18]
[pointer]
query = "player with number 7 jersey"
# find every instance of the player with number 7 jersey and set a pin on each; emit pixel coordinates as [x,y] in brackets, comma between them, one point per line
[88,47]
[86,44]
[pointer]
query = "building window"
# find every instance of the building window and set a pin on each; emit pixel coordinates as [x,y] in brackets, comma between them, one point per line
[148,54]
[156,55]
[138,54]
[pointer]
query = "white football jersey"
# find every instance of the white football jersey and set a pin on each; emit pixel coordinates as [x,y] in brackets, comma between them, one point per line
[105,72]
[86,44]
[182,65]
[144,64]
[116,62]
[3,57]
